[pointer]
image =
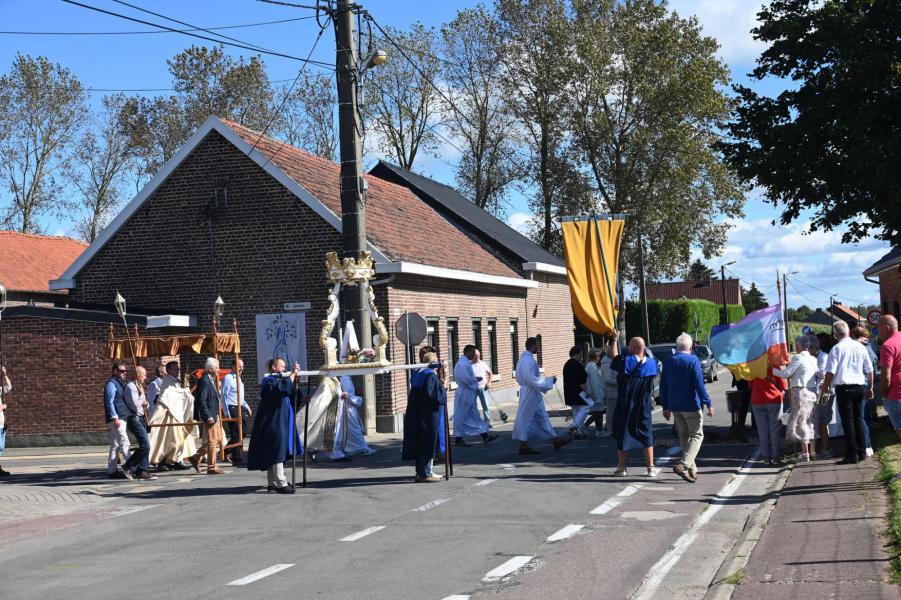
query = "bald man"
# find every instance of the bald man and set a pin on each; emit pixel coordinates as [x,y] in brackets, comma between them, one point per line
[633,421]
[890,363]
[135,408]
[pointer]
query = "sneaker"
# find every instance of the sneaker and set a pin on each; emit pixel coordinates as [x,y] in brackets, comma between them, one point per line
[145,476]
[683,472]
[127,474]
[693,473]
[869,452]
[651,472]
[620,472]
[430,479]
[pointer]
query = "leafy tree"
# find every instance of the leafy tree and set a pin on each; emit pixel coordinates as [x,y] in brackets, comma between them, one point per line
[753,299]
[536,36]
[698,271]
[473,68]
[42,107]
[832,141]
[401,105]
[207,82]
[645,103]
[308,117]
[102,158]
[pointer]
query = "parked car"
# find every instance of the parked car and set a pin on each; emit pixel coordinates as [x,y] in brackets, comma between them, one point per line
[709,366]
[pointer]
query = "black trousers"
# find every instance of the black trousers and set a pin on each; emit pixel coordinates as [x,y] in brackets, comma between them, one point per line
[235,453]
[850,402]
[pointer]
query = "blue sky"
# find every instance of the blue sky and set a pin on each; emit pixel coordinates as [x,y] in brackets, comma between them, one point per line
[139,61]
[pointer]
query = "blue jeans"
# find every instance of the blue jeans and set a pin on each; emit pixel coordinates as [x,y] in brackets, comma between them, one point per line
[139,459]
[423,468]
[484,400]
[866,425]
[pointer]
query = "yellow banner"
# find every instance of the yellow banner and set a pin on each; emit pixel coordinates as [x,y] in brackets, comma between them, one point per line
[591,249]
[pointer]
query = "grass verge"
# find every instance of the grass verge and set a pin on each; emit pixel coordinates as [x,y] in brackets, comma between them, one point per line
[889,449]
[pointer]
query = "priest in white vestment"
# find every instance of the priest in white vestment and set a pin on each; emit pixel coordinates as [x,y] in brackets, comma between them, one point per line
[532,420]
[467,419]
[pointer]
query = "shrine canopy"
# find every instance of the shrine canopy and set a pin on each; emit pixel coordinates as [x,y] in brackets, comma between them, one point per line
[172,345]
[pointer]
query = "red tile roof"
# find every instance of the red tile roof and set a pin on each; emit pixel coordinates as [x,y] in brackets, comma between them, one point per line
[28,262]
[398,223]
[711,290]
[852,314]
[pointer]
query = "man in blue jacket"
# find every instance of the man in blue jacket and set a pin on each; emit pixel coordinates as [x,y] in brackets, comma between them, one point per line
[682,393]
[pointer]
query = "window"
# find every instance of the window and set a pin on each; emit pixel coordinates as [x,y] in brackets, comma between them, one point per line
[514,341]
[540,358]
[431,336]
[492,345]
[453,344]
[477,333]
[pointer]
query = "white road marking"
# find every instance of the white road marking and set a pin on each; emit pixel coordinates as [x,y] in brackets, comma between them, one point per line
[431,505]
[260,574]
[511,566]
[361,534]
[673,451]
[132,510]
[507,467]
[662,567]
[456,597]
[618,499]
[565,532]
[483,482]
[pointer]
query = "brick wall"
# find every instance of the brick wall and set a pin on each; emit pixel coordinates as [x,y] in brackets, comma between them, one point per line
[890,292]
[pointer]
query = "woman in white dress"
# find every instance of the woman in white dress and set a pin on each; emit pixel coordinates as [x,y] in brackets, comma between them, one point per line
[801,373]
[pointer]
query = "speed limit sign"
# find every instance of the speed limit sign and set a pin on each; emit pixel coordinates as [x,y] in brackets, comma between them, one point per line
[873,317]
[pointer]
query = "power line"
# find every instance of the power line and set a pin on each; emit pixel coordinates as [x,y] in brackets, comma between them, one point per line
[202,37]
[291,4]
[839,296]
[277,111]
[92,90]
[152,31]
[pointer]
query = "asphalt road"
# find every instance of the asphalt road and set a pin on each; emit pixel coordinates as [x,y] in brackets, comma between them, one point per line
[557,525]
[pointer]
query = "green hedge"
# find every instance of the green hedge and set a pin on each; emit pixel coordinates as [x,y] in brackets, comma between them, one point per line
[669,318]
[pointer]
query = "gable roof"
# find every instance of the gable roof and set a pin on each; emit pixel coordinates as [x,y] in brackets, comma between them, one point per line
[30,261]
[850,314]
[708,289]
[488,228]
[888,261]
[403,233]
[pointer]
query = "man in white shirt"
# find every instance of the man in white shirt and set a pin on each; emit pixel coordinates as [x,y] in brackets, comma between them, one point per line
[481,369]
[154,387]
[850,371]
[135,405]
[231,385]
[5,388]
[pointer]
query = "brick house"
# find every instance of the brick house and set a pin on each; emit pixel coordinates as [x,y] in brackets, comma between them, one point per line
[247,218]
[708,289]
[28,262]
[887,273]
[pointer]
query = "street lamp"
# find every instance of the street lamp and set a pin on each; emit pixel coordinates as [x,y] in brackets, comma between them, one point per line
[119,303]
[218,307]
[725,318]
[375,58]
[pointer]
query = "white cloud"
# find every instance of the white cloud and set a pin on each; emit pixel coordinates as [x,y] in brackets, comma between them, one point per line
[520,222]
[730,22]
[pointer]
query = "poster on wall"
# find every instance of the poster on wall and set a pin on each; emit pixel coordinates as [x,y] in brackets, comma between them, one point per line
[282,335]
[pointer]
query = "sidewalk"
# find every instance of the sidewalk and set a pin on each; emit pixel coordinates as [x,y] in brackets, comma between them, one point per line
[824,538]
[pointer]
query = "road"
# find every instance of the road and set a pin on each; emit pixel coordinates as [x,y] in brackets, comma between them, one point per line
[556,525]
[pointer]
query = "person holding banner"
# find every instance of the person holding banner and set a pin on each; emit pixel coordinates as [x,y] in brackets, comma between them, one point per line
[633,423]
[274,438]
[532,420]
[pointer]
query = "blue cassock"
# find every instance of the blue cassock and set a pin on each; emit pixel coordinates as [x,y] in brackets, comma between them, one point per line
[423,415]
[274,436]
[633,425]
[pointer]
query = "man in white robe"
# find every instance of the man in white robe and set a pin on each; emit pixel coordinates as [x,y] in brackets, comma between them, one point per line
[467,420]
[532,420]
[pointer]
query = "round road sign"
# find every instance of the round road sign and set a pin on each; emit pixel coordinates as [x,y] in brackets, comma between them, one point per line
[807,330]
[873,316]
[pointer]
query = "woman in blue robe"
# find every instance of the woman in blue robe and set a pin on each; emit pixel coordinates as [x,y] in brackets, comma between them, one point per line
[274,436]
[632,422]
[421,421]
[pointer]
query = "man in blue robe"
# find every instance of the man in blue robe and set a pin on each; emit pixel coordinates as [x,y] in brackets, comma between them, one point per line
[467,419]
[632,422]
[427,395]
[274,438]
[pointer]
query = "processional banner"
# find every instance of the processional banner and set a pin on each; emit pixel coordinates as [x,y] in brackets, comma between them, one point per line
[751,345]
[591,249]
[281,335]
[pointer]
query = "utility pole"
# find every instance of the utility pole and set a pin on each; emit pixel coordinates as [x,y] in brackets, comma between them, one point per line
[643,294]
[353,186]
[725,318]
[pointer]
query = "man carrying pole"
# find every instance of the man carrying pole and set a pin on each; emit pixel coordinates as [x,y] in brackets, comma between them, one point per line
[274,436]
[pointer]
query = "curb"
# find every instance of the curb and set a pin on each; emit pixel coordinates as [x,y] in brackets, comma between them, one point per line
[740,554]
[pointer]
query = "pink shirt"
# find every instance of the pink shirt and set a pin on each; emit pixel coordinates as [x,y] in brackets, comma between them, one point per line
[890,361]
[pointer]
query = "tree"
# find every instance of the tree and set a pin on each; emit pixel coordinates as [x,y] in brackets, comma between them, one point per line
[401,105]
[102,158]
[473,69]
[42,107]
[536,37]
[830,143]
[645,104]
[308,117]
[753,299]
[207,82]
[698,271]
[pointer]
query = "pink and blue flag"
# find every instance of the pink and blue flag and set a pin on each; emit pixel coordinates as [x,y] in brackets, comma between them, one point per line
[756,342]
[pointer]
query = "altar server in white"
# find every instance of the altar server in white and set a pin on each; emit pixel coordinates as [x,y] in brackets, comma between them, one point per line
[532,420]
[467,419]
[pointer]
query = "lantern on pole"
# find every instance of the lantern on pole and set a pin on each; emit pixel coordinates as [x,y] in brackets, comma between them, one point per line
[119,303]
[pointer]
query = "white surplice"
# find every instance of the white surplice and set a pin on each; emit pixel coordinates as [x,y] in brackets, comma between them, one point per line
[532,420]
